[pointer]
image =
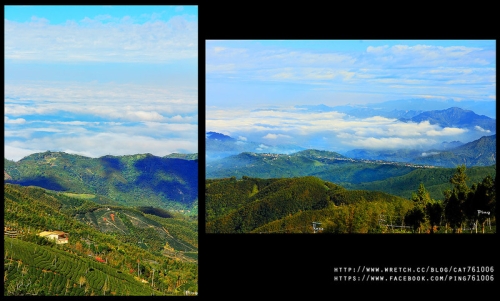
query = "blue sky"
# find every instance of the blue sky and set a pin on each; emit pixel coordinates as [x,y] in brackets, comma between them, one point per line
[254,86]
[99,80]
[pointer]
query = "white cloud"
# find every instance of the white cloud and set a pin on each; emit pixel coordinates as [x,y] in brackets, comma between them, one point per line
[101,144]
[446,132]
[429,154]
[116,101]
[14,121]
[275,136]
[309,128]
[379,49]
[242,138]
[144,116]
[480,129]
[17,153]
[92,40]
[388,143]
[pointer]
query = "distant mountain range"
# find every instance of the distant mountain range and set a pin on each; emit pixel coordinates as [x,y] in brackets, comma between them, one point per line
[352,173]
[219,146]
[481,152]
[454,117]
[412,107]
[329,166]
[142,179]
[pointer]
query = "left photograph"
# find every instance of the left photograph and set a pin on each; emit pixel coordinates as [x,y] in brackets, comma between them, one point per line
[101,150]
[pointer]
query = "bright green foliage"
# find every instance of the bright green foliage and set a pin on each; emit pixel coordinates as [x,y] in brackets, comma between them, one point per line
[147,180]
[422,197]
[290,205]
[118,235]
[279,203]
[436,180]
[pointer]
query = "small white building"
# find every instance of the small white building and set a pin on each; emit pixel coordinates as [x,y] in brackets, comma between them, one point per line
[60,237]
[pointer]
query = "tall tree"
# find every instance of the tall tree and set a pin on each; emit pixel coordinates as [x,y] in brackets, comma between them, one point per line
[480,202]
[434,211]
[422,197]
[415,218]
[454,200]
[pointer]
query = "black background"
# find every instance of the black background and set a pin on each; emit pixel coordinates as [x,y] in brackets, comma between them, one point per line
[302,265]
[296,266]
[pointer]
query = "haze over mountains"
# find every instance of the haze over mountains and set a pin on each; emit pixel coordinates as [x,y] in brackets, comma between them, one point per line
[395,135]
[406,108]
[392,170]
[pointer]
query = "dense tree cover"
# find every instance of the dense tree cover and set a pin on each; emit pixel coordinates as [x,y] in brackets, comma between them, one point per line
[168,183]
[464,205]
[481,152]
[290,205]
[461,205]
[258,202]
[328,166]
[436,180]
[225,195]
[396,179]
[115,235]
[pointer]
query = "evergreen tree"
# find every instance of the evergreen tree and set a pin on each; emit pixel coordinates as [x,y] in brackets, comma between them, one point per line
[434,211]
[415,218]
[454,200]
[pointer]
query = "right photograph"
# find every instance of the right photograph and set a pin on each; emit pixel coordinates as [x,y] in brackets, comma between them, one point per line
[350,137]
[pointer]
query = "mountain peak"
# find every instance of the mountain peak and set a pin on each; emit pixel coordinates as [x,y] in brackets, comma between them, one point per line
[219,136]
[455,117]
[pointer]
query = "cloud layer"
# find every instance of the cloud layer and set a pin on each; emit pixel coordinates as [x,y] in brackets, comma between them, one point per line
[331,130]
[120,83]
[99,119]
[94,40]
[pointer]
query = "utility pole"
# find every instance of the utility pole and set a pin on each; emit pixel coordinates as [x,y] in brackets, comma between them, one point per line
[152,279]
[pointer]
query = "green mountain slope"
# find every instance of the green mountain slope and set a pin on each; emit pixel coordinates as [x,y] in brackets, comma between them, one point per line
[481,152]
[169,183]
[135,253]
[436,180]
[249,204]
[329,166]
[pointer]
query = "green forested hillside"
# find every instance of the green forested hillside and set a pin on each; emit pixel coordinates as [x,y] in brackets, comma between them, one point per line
[112,250]
[169,183]
[250,204]
[292,205]
[436,180]
[481,152]
[329,166]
